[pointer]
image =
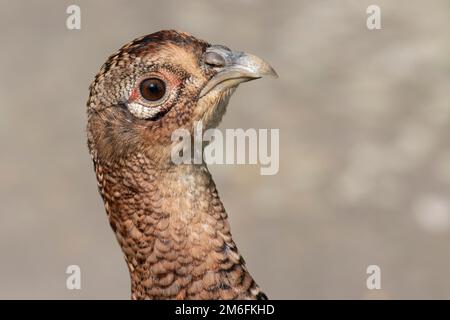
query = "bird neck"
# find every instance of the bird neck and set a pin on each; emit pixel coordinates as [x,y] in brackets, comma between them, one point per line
[174,232]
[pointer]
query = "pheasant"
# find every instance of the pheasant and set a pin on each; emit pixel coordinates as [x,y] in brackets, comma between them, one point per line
[168,218]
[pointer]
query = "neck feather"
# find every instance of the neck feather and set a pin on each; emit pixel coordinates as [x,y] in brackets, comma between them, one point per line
[174,232]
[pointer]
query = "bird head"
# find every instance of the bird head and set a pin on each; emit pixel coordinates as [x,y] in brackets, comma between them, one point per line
[159,83]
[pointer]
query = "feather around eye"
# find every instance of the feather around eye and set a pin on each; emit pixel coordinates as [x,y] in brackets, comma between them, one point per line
[153,94]
[141,108]
[143,112]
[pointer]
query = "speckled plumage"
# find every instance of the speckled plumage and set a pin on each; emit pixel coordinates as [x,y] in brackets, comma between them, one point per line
[167,218]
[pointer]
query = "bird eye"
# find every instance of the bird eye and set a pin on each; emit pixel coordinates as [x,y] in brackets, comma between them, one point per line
[152,89]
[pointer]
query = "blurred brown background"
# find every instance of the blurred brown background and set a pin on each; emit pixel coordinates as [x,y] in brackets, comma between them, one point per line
[364,119]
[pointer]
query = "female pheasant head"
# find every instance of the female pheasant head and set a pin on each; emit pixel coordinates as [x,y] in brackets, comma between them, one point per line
[168,218]
[159,83]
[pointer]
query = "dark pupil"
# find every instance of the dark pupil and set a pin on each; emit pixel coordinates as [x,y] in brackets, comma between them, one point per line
[153,89]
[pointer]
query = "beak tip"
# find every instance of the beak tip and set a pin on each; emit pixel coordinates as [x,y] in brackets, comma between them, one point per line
[266,69]
[272,73]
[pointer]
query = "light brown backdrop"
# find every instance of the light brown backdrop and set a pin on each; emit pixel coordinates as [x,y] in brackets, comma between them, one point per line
[364,119]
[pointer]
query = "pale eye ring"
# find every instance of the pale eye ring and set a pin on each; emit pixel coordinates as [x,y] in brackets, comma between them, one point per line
[152,89]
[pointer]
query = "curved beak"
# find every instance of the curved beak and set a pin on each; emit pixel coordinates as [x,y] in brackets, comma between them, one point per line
[233,68]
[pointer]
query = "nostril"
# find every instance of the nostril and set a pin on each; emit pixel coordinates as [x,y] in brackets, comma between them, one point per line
[214,59]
